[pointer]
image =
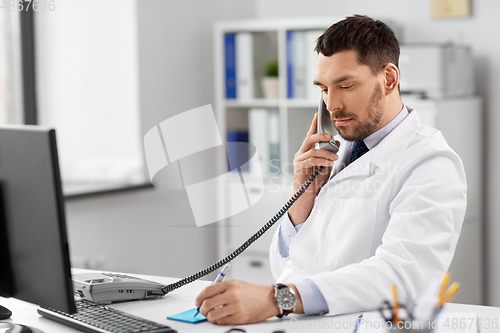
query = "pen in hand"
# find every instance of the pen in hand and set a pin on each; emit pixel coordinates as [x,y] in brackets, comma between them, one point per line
[218,278]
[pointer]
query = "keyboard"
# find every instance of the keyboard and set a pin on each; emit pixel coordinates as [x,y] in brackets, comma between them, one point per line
[94,318]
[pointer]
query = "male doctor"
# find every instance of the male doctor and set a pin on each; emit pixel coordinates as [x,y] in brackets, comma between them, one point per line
[387,210]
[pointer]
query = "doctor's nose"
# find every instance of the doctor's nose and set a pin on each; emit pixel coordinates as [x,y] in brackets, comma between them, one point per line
[333,103]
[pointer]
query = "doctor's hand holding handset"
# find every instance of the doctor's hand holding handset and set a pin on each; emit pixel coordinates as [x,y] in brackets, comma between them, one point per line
[307,159]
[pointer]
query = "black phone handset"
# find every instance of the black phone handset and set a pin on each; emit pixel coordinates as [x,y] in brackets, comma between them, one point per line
[325,125]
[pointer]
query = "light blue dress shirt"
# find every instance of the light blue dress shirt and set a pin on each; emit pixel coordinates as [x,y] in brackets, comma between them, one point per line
[313,301]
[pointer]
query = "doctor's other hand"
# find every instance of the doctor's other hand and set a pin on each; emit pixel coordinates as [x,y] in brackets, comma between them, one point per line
[306,160]
[236,302]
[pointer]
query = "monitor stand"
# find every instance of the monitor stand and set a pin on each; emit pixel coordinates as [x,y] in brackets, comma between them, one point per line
[11,327]
[4,313]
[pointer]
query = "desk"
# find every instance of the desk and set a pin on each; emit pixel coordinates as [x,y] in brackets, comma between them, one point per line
[183,299]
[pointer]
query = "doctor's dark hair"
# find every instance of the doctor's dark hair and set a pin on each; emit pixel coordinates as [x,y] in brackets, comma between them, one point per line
[375,43]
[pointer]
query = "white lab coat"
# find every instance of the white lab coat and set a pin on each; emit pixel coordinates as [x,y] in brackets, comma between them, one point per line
[392,217]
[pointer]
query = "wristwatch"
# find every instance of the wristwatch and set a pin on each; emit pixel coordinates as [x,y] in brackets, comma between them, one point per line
[285,299]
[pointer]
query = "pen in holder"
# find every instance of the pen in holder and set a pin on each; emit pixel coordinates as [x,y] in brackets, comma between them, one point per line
[399,318]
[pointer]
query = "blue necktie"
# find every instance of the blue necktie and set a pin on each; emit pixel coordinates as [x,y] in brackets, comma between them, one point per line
[358,149]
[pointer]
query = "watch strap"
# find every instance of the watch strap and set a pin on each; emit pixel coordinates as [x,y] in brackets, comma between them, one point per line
[285,313]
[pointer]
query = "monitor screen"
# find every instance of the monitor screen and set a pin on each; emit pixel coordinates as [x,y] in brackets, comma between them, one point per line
[35,257]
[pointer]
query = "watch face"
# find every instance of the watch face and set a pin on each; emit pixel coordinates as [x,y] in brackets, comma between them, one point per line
[285,299]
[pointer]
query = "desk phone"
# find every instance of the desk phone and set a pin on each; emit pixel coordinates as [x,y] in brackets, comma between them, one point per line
[105,288]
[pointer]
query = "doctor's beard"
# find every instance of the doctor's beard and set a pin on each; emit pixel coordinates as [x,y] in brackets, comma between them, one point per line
[373,115]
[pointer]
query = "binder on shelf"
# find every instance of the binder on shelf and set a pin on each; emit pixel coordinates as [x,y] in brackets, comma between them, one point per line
[264,134]
[312,91]
[274,142]
[299,64]
[237,154]
[289,63]
[244,66]
[258,136]
[230,64]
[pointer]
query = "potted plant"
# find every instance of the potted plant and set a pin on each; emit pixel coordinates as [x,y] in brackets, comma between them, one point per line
[270,82]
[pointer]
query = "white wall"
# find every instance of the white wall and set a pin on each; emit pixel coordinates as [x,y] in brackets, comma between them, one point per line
[478,31]
[153,231]
[4,72]
[88,87]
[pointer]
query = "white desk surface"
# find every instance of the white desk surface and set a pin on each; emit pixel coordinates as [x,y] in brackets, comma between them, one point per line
[183,299]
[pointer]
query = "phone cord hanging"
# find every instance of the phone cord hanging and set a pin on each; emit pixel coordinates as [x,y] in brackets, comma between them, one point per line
[253,238]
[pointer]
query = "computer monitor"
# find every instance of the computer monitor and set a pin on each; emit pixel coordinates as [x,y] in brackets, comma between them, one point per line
[34,257]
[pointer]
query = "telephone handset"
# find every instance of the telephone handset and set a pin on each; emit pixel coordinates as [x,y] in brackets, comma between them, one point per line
[325,125]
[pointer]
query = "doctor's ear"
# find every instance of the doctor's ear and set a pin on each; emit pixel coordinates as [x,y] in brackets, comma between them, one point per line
[391,77]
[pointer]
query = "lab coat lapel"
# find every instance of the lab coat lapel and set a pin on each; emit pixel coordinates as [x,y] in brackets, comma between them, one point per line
[397,140]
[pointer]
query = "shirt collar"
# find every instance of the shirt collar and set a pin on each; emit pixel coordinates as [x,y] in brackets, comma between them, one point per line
[374,139]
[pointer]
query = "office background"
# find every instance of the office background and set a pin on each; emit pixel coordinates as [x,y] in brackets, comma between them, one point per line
[158,56]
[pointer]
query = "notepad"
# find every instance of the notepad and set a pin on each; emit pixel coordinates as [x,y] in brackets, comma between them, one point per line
[187,317]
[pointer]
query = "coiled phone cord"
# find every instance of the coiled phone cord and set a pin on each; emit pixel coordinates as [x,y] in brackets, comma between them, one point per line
[253,238]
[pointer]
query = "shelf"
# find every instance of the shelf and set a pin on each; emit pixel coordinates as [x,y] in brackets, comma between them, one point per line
[302,103]
[257,102]
[271,103]
[256,25]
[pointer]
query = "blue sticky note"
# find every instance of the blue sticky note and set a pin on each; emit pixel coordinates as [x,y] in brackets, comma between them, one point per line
[187,317]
